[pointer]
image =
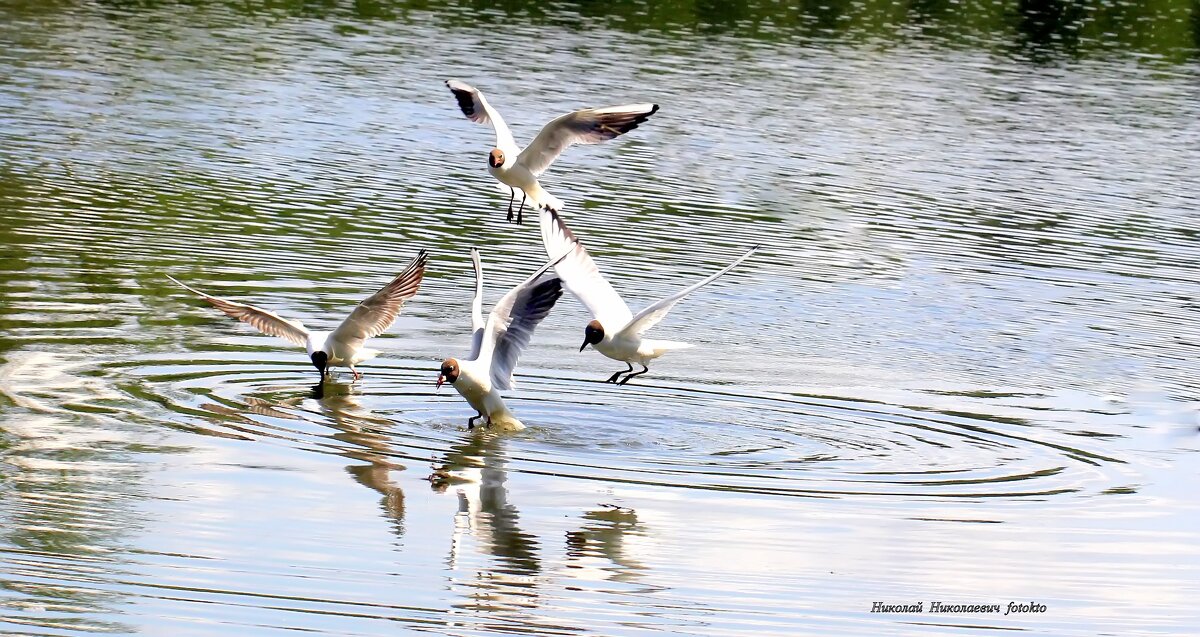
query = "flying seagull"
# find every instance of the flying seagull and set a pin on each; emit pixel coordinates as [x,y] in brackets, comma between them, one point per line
[343,347]
[614,330]
[519,169]
[496,345]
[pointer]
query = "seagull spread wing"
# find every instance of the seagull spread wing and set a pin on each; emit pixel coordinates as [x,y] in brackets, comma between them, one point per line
[580,274]
[477,109]
[477,324]
[265,321]
[589,126]
[377,313]
[512,321]
[650,316]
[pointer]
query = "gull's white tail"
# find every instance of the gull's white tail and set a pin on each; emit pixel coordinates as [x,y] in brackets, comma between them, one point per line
[658,348]
[543,199]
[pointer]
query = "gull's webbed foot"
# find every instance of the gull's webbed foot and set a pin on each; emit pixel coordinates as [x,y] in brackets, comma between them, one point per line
[626,379]
[520,209]
[615,376]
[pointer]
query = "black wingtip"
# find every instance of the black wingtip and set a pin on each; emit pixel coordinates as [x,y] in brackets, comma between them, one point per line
[563,226]
[639,119]
[418,262]
[548,291]
[466,101]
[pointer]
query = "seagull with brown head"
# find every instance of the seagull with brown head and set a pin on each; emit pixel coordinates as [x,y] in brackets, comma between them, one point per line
[517,169]
[614,330]
[497,344]
[343,347]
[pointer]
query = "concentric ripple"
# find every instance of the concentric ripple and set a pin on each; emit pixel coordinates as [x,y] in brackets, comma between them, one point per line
[662,434]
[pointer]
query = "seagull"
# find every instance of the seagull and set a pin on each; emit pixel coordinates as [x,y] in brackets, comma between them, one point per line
[344,345]
[495,345]
[519,169]
[614,331]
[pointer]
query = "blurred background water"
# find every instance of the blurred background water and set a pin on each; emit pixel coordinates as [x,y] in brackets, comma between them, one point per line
[962,368]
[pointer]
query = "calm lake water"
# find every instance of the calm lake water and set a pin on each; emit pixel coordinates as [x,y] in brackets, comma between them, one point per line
[961,369]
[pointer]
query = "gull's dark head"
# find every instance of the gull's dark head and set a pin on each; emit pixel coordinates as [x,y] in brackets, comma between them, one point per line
[320,360]
[496,158]
[449,372]
[592,334]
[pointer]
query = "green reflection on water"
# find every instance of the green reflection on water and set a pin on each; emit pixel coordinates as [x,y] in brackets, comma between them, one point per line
[1041,29]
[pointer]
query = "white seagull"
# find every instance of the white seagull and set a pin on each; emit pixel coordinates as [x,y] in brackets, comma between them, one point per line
[519,169]
[496,345]
[344,345]
[614,331]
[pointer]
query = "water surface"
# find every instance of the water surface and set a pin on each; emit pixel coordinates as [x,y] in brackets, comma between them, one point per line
[961,368]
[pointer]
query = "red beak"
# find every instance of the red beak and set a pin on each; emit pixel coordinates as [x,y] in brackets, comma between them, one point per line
[441,379]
